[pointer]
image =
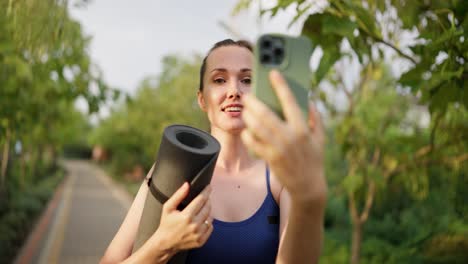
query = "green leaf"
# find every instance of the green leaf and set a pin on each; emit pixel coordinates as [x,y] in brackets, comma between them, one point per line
[23,69]
[313,27]
[340,26]
[374,172]
[412,78]
[380,5]
[365,20]
[360,47]
[6,47]
[408,12]
[330,56]
[353,182]
[240,6]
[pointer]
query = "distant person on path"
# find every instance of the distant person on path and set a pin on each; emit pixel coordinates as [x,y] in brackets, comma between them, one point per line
[267,210]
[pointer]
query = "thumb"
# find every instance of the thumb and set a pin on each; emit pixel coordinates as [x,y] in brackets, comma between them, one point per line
[177,197]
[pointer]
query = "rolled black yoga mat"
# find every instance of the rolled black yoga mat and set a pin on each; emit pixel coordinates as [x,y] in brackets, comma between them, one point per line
[185,154]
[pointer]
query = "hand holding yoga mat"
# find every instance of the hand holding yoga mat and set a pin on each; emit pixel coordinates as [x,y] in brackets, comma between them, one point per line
[186,154]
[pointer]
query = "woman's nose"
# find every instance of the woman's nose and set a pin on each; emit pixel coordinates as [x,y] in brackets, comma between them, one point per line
[234,90]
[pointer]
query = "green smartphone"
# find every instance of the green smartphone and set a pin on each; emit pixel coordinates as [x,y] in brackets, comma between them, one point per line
[289,55]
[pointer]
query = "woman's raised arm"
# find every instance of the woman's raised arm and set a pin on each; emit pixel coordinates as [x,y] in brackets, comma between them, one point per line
[295,152]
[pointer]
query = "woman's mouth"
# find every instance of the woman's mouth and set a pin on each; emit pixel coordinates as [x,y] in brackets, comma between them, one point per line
[233,110]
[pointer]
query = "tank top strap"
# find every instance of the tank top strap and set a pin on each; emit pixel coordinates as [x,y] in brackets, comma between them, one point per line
[268,180]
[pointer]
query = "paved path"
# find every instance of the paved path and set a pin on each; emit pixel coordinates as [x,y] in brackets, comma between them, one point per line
[87,214]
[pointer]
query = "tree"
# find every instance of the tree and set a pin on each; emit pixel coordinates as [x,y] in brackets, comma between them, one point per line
[381,138]
[133,131]
[44,68]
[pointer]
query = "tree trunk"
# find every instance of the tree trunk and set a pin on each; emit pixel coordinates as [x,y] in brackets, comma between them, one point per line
[359,219]
[5,157]
[356,241]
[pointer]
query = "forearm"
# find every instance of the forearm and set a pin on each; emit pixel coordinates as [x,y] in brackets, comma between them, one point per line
[121,245]
[302,238]
[155,250]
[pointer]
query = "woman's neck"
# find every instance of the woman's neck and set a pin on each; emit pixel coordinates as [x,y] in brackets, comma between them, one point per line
[234,155]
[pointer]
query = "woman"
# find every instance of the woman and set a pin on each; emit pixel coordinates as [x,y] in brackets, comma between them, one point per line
[254,211]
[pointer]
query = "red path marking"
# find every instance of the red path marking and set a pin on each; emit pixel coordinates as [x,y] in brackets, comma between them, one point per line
[38,232]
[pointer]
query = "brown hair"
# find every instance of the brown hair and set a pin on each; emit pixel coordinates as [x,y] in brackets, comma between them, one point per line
[222,43]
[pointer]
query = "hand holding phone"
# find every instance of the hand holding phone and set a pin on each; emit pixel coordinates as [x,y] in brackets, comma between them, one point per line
[292,147]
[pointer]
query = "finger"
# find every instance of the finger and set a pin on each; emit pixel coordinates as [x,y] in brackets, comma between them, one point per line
[177,197]
[205,224]
[315,120]
[312,120]
[206,235]
[196,204]
[291,110]
[209,219]
[203,214]
[262,122]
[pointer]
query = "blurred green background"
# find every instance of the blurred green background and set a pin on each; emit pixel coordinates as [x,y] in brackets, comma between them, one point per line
[390,79]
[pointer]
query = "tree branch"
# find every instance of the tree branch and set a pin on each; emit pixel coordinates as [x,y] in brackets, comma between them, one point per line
[369,201]
[370,190]
[406,56]
[352,206]
[352,200]
[423,151]
[461,158]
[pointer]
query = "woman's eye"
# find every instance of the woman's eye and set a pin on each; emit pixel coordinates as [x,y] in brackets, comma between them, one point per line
[246,81]
[219,80]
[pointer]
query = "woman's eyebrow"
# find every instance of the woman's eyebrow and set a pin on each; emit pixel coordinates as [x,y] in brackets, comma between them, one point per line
[219,69]
[225,70]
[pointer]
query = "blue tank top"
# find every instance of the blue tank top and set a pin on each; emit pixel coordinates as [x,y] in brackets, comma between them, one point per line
[254,240]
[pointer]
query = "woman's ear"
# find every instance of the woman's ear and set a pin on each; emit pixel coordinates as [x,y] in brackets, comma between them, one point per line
[201,101]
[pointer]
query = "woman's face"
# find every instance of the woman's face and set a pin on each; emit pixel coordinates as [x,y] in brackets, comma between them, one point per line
[226,79]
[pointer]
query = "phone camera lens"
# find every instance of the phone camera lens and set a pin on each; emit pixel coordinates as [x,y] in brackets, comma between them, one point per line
[278,52]
[266,44]
[266,58]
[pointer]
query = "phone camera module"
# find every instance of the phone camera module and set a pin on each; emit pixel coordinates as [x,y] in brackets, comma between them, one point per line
[272,50]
